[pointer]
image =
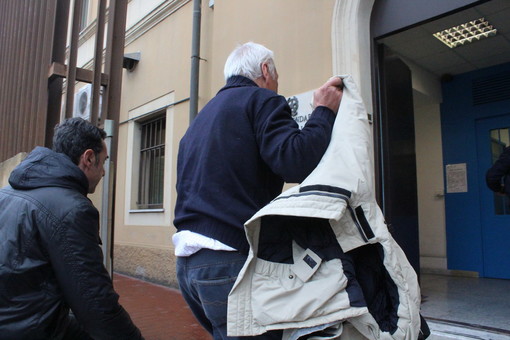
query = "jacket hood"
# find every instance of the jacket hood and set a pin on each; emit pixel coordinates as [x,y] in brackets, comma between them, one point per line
[46,168]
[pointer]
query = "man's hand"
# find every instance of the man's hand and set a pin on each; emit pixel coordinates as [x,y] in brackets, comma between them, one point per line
[329,94]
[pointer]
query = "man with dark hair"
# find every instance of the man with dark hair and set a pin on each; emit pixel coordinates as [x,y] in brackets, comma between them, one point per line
[90,138]
[50,258]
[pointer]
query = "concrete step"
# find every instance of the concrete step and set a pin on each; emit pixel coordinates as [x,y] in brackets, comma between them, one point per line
[444,330]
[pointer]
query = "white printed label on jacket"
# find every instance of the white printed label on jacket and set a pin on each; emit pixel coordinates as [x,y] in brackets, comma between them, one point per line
[306,262]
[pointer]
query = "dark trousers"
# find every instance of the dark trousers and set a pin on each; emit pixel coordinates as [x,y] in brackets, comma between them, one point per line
[205,279]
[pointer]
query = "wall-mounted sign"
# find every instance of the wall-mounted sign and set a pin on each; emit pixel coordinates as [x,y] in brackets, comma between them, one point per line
[456,178]
[301,106]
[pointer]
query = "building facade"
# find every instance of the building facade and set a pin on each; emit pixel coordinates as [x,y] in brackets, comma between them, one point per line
[312,41]
[436,126]
[156,99]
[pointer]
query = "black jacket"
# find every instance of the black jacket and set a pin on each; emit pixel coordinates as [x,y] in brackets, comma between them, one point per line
[497,176]
[50,258]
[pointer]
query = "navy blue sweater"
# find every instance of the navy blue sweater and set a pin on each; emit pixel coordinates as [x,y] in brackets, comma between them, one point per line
[236,155]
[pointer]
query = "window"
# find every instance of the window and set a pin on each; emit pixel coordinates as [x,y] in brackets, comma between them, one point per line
[84,14]
[152,163]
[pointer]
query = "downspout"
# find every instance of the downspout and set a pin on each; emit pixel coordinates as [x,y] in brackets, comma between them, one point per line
[195,60]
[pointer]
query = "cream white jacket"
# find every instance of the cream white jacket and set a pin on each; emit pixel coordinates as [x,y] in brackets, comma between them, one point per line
[310,293]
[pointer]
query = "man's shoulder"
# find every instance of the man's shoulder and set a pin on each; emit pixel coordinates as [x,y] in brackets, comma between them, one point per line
[55,201]
[257,91]
[239,84]
[255,97]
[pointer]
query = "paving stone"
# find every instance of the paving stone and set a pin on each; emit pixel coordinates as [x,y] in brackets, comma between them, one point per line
[160,312]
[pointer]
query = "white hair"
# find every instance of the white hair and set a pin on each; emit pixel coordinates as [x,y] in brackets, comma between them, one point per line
[247,59]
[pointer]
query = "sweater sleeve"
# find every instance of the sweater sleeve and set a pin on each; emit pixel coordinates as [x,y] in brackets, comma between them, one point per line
[495,174]
[290,152]
[77,261]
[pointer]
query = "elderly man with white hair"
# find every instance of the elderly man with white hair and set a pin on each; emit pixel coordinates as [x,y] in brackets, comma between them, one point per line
[233,160]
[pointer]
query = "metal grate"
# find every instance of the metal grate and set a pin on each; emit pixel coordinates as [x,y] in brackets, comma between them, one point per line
[25,53]
[152,163]
[491,89]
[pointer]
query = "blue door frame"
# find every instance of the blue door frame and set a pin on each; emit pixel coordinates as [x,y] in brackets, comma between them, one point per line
[476,238]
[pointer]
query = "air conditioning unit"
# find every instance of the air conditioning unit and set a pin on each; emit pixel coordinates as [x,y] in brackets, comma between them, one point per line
[83,102]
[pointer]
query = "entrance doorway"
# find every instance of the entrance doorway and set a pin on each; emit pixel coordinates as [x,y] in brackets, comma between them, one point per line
[454,232]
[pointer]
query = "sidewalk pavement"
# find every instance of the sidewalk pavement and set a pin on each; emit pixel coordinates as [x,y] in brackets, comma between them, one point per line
[162,314]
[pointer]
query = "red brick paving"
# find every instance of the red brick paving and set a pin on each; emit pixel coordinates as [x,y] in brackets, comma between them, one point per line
[160,312]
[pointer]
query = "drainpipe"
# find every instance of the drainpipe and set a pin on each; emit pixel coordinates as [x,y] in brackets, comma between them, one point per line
[106,211]
[195,60]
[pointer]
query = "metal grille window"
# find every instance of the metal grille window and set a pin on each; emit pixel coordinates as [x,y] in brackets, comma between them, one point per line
[152,163]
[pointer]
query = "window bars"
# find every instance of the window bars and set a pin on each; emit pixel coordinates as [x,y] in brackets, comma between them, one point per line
[152,164]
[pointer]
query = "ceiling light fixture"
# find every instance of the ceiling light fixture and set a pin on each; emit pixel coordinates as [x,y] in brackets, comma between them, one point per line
[466,33]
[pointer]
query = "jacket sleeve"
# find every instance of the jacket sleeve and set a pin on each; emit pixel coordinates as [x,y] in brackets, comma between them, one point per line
[290,152]
[77,261]
[495,175]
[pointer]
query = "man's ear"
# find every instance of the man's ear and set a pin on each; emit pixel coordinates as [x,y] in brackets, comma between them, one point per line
[87,159]
[262,81]
[265,70]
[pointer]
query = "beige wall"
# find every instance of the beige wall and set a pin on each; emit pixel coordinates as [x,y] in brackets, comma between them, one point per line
[429,169]
[429,166]
[143,244]
[298,31]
